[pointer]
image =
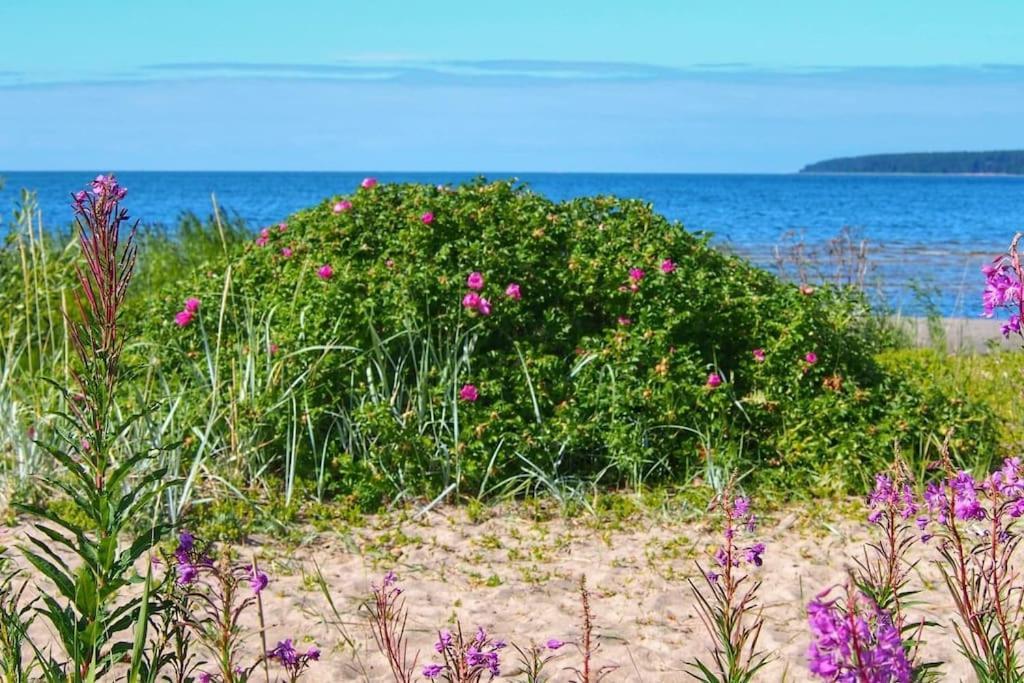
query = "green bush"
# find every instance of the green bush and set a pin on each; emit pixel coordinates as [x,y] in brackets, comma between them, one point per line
[567,391]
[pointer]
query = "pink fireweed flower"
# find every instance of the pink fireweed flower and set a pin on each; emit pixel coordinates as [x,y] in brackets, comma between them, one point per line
[811,358]
[475,281]
[427,218]
[342,206]
[469,392]
[368,183]
[636,274]
[192,304]
[714,380]
[325,272]
[105,186]
[286,252]
[257,580]
[668,266]
[183,318]
[624,321]
[553,644]
[471,300]
[513,291]
[1002,290]
[758,355]
[856,641]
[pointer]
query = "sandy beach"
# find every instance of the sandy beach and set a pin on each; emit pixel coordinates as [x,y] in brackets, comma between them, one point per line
[517,577]
[961,335]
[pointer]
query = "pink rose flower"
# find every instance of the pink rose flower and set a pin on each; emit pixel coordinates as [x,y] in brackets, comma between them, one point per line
[471,300]
[624,321]
[390,263]
[513,292]
[469,392]
[759,355]
[636,274]
[191,304]
[286,252]
[714,380]
[484,307]
[427,218]
[183,318]
[475,281]
[811,358]
[368,183]
[342,206]
[325,272]
[281,227]
[668,266]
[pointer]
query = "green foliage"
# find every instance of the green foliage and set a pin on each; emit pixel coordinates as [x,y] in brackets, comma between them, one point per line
[374,356]
[15,619]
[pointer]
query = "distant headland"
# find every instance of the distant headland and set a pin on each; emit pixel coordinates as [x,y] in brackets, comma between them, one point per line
[1009,162]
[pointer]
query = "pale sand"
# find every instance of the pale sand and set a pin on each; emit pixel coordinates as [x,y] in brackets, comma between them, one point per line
[518,578]
[962,335]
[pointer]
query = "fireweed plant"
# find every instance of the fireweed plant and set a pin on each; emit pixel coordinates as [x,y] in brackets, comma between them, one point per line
[460,658]
[388,616]
[213,595]
[534,659]
[977,535]
[466,660]
[883,573]
[586,673]
[111,487]
[728,603]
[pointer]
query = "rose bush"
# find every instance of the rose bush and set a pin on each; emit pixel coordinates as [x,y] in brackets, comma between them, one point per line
[600,340]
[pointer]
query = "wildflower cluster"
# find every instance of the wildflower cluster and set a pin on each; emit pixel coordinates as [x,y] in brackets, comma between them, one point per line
[853,641]
[1003,277]
[214,594]
[293,661]
[883,574]
[976,524]
[975,527]
[100,202]
[466,661]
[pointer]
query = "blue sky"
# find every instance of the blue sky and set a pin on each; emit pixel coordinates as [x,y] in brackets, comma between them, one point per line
[559,85]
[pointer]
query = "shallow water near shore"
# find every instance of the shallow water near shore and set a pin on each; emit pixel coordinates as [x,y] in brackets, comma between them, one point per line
[926,236]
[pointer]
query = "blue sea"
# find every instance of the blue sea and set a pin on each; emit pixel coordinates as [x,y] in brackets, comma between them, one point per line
[926,237]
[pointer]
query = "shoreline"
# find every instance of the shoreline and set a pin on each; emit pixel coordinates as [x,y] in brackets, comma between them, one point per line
[962,335]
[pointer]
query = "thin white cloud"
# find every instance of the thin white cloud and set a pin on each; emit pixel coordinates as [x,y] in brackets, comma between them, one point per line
[517,72]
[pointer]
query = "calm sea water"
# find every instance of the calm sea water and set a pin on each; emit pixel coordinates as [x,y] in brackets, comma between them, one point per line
[927,236]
